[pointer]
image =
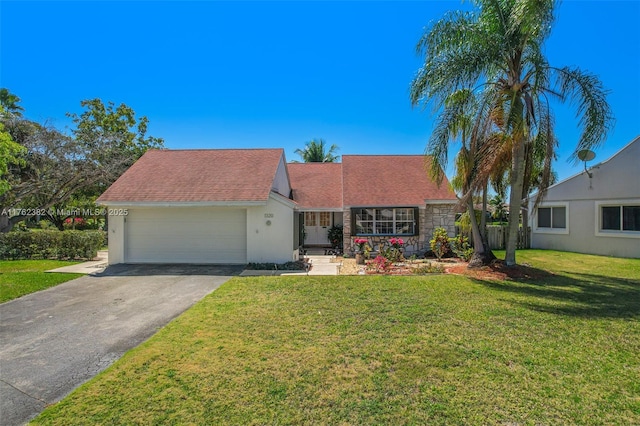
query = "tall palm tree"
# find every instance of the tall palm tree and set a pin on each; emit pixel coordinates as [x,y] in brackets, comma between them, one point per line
[456,122]
[9,102]
[496,51]
[315,152]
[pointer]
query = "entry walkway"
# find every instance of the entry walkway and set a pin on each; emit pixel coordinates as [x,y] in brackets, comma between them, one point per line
[320,265]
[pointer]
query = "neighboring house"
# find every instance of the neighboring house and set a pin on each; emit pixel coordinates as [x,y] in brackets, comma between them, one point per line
[596,212]
[249,205]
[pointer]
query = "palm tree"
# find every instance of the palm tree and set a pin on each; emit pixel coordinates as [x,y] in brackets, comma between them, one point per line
[456,122]
[314,152]
[496,51]
[9,102]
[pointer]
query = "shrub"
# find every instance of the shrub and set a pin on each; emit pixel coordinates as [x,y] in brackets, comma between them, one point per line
[336,236]
[461,247]
[49,244]
[380,264]
[440,243]
[428,268]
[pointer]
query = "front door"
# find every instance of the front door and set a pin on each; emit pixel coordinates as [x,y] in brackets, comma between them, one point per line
[316,228]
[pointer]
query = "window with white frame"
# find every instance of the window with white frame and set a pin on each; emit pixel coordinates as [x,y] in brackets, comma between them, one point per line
[552,219]
[618,218]
[385,221]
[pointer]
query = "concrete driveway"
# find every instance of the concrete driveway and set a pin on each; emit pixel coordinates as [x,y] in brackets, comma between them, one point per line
[54,340]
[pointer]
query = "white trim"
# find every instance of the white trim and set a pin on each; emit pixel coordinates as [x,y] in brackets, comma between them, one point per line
[551,204]
[275,196]
[614,203]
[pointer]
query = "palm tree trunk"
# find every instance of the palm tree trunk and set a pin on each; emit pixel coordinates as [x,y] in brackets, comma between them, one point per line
[515,200]
[482,254]
[483,216]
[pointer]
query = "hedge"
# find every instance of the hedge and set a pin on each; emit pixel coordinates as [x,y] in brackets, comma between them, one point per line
[50,244]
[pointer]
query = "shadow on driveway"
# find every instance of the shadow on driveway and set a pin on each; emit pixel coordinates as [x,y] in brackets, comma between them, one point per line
[138,270]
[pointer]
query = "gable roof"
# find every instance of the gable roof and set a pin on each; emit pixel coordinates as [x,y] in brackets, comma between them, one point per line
[391,180]
[207,175]
[316,185]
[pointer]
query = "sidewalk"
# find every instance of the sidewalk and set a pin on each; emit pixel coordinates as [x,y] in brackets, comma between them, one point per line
[90,267]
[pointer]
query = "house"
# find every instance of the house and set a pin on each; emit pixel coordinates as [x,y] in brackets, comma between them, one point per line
[202,206]
[596,211]
[249,205]
[375,197]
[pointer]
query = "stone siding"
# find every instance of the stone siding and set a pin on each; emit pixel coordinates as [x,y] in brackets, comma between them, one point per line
[429,218]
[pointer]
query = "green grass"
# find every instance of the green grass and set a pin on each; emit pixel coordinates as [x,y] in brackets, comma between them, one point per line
[20,277]
[388,350]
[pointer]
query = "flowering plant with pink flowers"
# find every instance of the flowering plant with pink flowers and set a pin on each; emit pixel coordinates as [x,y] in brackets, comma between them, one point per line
[360,242]
[396,243]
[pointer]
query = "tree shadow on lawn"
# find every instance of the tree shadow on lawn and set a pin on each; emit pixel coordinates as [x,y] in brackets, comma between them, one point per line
[574,294]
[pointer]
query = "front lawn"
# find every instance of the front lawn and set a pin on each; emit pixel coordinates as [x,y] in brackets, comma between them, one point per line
[20,277]
[441,349]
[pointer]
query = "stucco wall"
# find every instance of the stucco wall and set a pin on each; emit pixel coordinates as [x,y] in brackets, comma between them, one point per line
[613,180]
[270,231]
[116,239]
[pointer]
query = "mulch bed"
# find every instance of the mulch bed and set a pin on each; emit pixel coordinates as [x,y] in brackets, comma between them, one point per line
[498,270]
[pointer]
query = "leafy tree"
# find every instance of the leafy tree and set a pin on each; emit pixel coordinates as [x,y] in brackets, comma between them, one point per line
[315,151]
[496,51]
[58,168]
[10,153]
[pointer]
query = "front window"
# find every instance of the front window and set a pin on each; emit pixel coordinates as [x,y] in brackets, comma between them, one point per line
[385,221]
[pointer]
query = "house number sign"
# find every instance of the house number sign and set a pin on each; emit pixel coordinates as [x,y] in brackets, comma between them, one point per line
[268,215]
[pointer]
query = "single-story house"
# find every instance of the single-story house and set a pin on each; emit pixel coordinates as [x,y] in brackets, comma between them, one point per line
[249,205]
[596,211]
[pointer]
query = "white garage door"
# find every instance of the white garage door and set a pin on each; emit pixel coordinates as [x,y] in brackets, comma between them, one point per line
[186,235]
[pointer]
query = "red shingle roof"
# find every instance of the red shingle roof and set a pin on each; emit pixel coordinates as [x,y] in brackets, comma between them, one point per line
[197,176]
[390,180]
[316,185]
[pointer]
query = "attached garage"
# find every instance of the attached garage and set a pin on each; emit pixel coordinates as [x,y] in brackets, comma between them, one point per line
[227,206]
[186,235]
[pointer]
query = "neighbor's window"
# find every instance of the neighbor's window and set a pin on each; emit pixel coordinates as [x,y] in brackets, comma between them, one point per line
[552,217]
[385,221]
[620,218]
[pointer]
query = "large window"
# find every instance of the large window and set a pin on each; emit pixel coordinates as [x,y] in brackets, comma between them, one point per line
[385,221]
[552,219]
[619,218]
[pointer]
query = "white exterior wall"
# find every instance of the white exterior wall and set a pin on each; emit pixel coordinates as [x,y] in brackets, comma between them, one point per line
[281,183]
[616,181]
[270,232]
[116,239]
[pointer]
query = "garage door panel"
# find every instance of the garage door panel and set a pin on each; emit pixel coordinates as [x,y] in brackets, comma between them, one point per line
[175,235]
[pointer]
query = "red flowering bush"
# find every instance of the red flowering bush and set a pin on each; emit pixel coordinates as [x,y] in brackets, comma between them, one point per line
[360,242]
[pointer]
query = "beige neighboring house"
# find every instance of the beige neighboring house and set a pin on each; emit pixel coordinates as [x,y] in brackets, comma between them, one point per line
[596,212]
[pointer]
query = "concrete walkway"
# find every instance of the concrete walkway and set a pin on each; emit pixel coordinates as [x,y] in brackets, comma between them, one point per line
[320,265]
[91,267]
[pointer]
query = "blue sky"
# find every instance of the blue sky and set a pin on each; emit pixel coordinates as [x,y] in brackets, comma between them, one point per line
[277,74]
